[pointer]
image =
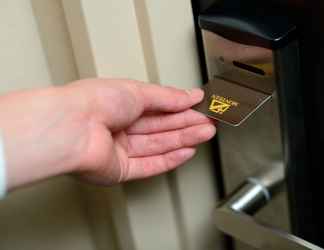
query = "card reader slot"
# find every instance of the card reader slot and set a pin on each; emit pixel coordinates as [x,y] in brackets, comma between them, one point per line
[249,68]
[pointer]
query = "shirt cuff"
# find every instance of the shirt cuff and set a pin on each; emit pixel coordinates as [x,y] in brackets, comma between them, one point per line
[3,173]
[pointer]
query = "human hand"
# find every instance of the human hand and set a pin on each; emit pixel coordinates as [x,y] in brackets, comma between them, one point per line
[106,131]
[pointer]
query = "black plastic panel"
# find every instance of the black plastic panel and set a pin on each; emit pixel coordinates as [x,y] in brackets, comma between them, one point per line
[263,27]
[305,183]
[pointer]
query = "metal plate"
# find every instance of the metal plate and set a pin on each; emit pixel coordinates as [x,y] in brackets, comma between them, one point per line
[229,102]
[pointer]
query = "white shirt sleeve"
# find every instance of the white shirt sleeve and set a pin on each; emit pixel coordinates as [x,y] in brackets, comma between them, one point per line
[3,173]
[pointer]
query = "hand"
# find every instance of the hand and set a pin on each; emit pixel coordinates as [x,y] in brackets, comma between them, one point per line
[105,131]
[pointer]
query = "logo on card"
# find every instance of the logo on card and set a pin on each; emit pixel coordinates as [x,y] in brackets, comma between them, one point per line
[220,104]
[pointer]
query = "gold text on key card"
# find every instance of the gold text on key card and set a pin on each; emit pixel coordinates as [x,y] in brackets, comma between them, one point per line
[220,104]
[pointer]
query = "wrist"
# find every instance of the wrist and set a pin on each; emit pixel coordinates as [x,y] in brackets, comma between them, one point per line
[3,172]
[34,136]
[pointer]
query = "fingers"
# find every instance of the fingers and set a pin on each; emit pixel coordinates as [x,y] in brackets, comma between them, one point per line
[120,102]
[155,165]
[167,99]
[165,122]
[145,145]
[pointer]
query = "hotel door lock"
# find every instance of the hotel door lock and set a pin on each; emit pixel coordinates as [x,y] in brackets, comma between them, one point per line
[252,58]
[241,53]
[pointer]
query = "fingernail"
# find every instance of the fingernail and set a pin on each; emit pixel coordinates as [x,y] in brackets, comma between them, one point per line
[187,153]
[196,94]
[209,131]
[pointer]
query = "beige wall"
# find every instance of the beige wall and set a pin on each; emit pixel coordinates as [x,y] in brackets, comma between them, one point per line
[22,60]
[49,215]
[46,42]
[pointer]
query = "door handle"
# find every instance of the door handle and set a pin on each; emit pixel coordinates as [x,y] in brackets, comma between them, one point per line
[235,215]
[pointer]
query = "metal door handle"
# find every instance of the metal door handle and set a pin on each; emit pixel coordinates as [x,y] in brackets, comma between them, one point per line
[235,215]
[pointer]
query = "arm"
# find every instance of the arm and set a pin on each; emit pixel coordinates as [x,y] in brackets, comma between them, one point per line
[105,131]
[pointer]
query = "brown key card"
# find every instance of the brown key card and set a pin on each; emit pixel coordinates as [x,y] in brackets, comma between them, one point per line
[229,102]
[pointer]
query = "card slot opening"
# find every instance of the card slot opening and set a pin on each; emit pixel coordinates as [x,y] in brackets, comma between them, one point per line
[250,68]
